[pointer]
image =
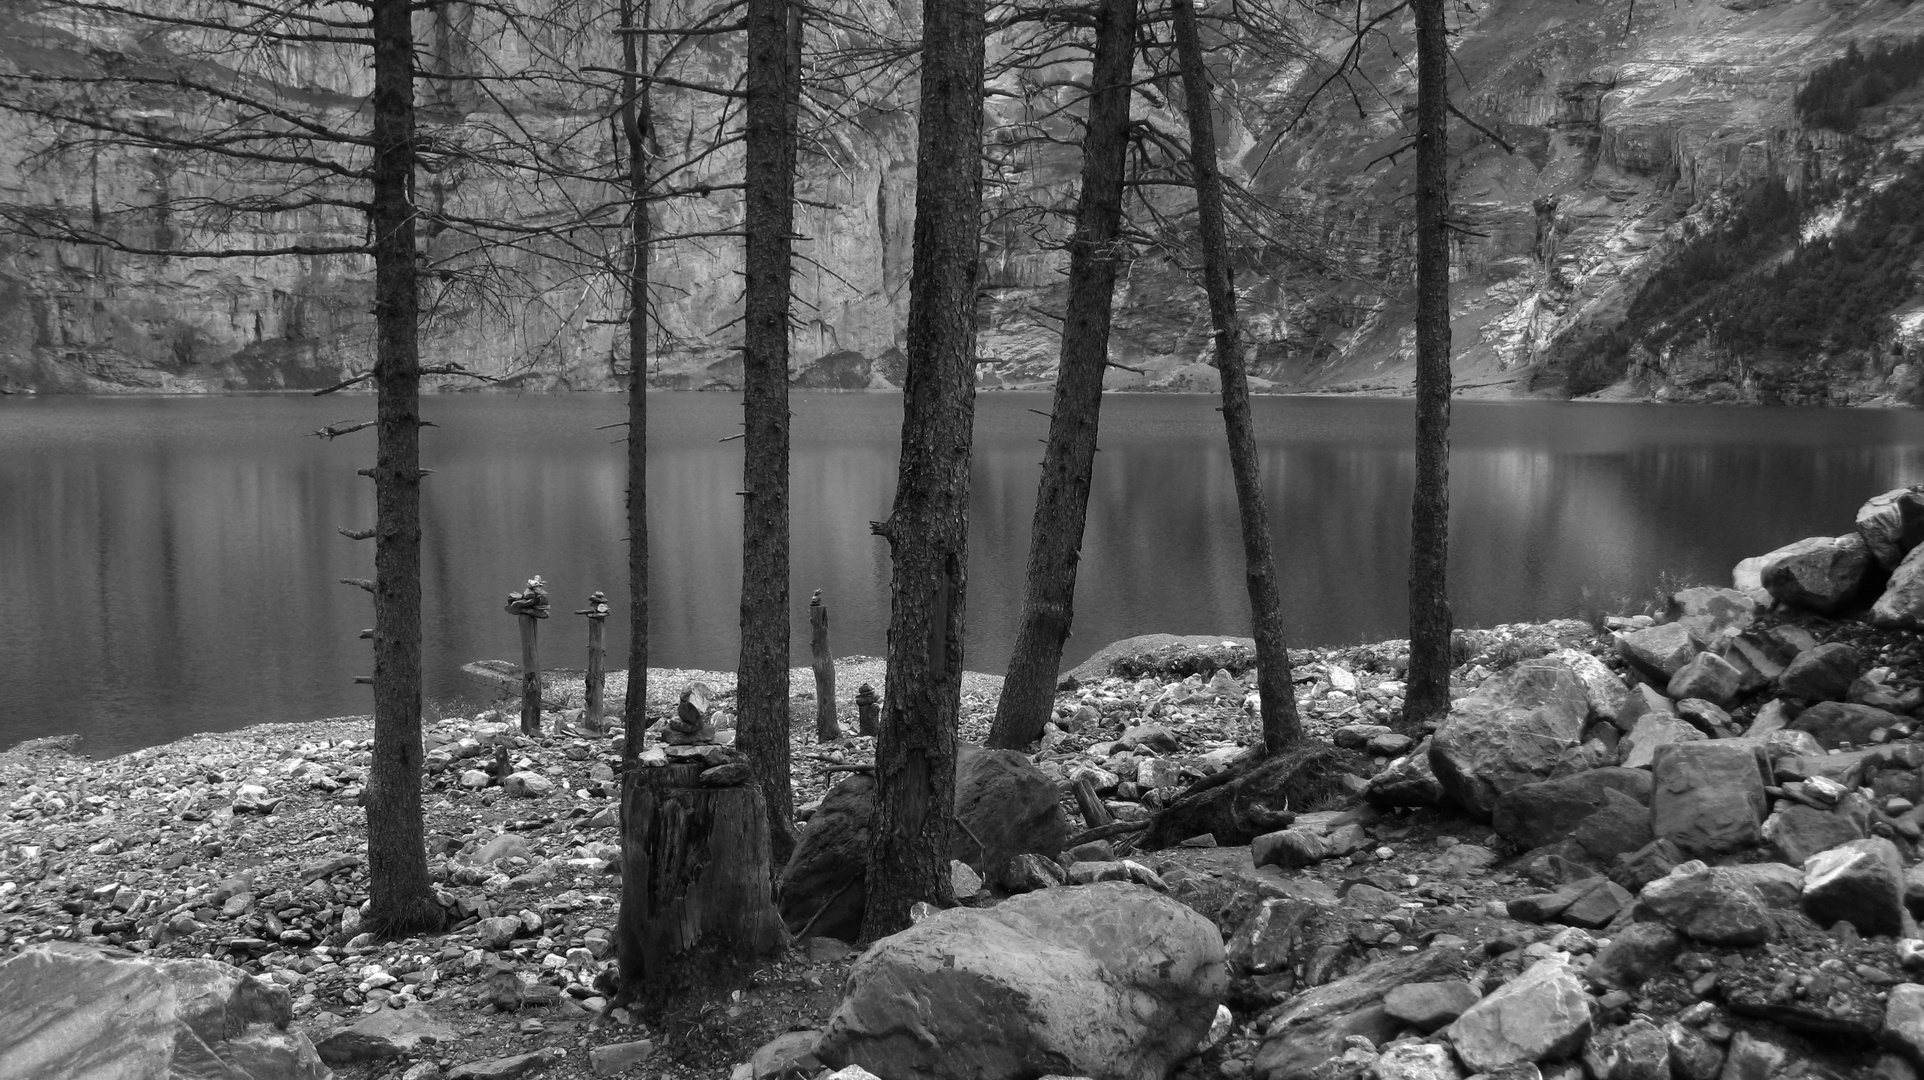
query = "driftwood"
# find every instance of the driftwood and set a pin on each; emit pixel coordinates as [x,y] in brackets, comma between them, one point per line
[1094,813]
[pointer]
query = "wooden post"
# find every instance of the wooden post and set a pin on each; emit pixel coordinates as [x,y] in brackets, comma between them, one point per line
[696,858]
[1094,813]
[827,728]
[529,605]
[868,710]
[597,614]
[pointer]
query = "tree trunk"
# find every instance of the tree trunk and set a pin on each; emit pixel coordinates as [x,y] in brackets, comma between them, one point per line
[927,528]
[1280,724]
[1429,687]
[403,901]
[761,693]
[695,859]
[634,121]
[1062,497]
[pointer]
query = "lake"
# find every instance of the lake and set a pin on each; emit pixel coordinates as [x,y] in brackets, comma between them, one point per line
[170,565]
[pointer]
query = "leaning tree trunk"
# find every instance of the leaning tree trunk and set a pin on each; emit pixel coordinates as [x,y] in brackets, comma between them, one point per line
[634,120]
[762,675]
[402,898]
[1062,497]
[1429,686]
[695,874]
[1280,724]
[927,529]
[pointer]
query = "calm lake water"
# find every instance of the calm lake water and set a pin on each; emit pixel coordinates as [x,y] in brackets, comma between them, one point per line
[170,565]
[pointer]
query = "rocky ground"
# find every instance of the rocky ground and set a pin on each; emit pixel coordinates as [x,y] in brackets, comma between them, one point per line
[1355,926]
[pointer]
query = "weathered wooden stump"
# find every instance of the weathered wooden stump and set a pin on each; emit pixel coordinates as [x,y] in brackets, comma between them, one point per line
[827,727]
[694,861]
[592,685]
[530,605]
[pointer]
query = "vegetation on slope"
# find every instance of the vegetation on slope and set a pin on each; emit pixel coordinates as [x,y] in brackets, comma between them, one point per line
[1834,93]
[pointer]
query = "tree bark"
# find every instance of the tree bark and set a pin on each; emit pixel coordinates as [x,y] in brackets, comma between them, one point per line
[702,913]
[634,122]
[762,676]
[1281,727]
[1062,496]
[402,898]
[927,529]
[1429,685]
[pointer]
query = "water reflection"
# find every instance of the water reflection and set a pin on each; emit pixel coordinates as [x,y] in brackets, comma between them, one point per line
[170,565]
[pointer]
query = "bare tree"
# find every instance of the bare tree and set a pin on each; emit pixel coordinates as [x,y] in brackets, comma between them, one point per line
[927,529]
[1062,497]
[1281,726]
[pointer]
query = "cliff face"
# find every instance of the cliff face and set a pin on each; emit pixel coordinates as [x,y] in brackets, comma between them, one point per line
[1627,148]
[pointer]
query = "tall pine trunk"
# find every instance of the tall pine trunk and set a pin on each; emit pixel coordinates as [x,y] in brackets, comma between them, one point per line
[762,675]
[1429,685]
[1280,724]
[1062,497]
[634,122]
[403,901]
[927,529]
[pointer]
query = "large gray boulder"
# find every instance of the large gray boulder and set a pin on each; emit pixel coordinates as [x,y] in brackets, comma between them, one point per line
[1824,574]
[1861,883]
[1006,807]
[1547,811]
[1508,733]
[1111,980]
[1609,698]
[1708,797]
[1710,904]
[1901,607]
[1835,723]
[1541,1015]
[1711,613]
[1822,673]
[1659,651]
[1892,524]
[75,1012]
[1314,1024]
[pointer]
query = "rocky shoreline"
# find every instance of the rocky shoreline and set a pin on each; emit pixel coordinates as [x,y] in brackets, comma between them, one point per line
[1669,844]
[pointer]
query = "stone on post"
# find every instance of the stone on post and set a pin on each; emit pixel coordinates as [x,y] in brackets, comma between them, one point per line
[597,615]
[868,710]
[528,605]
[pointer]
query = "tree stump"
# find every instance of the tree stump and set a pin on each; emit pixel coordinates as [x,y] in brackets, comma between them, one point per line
[827,728]
[699,913]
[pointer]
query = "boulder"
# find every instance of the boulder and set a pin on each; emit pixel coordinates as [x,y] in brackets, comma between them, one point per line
[1415,1061]
[390,1033]
[1111,980]
[1609,698]
[1892,524]
[1706,716]
[1901,606]
[1407,781]
[1507,733]
[1621,825]
[1542,813]
[1692,1055]
[1007,807]
[1542,1014]
[1709,612]
[1904,1022]
[1708,797]
[1636,1051]
[1799,832]
[1780,886]
[1861,882]
[1836,723]
[1636,953]
[1824,574]
[1823,673]
[822,891]
[1284,934]
[1313,1026]
[1654,731]
[1707,676]
[1427,1006]
[1659,651]
[75,1011]
[1709,904]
